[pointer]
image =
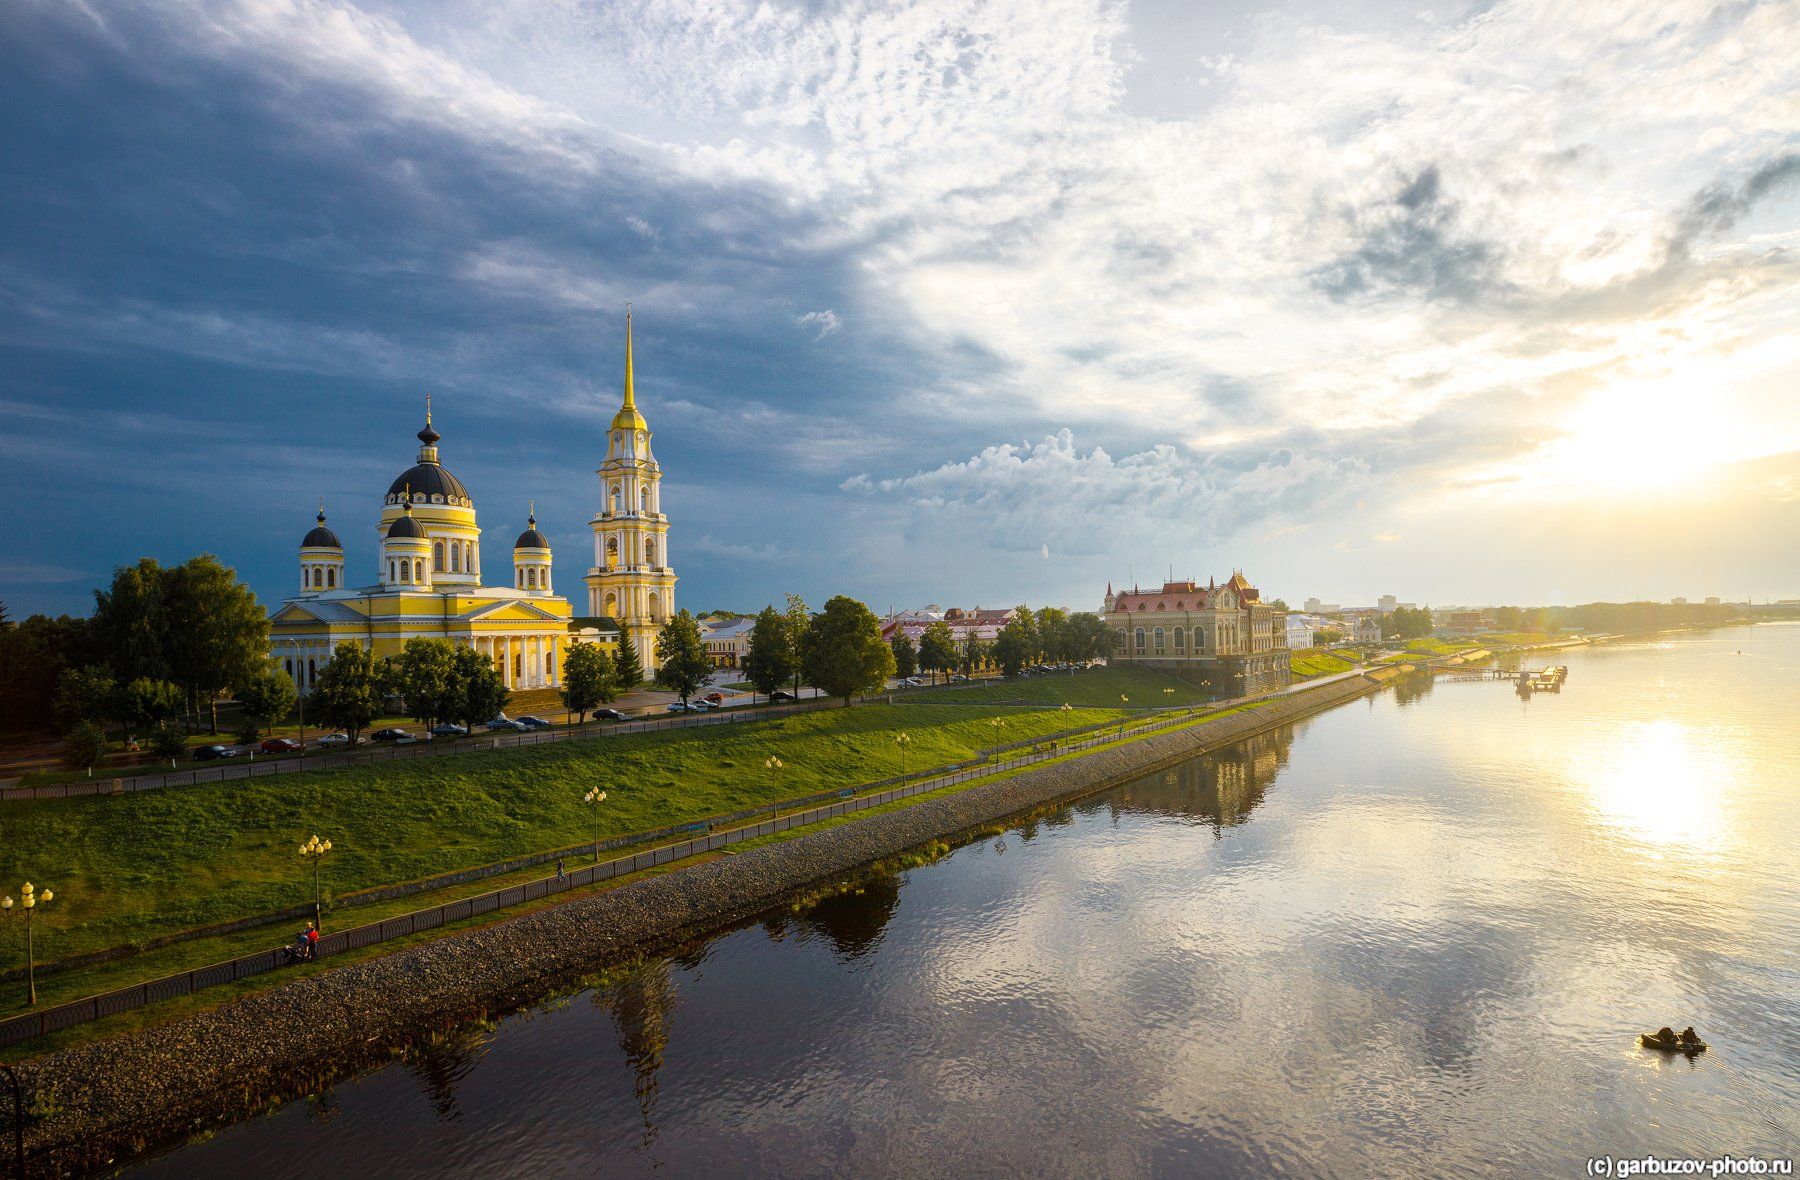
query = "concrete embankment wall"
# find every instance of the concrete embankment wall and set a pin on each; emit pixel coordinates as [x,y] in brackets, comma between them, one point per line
[112,1097]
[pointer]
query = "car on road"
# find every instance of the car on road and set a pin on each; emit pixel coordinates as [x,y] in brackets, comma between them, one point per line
[714,698]
[608,715]
[530,722]
[449,729]
[391,734]
[211,753]
[506,723]
[333,739]
[778,695]
[279,746]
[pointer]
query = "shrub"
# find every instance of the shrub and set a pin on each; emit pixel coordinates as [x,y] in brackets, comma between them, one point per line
[167,741]
[84,745]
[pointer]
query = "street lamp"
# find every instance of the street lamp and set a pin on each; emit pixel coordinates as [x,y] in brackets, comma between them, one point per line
[594,799]
[904,741]
[28,900]
[315,850]
[772,763]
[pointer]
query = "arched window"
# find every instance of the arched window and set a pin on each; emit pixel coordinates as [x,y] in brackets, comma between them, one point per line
[418,570]
[655,607]
[1180,639]
[612,551]
[614,496]
[456,557]
[1140,639]
[437,557]
[393,571]
[331,577]
[612,606]
[643,500]
[650,552]
[312,672]
[1159,640]
[290,668]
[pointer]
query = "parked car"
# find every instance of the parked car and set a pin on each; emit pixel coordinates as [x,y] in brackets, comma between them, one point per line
[391,734]
[675,707]
[280,746]
[449,729]
[210,753]
[333,739]
[608,715]
[530,722]
[779,695]
[714,698]
[506,723]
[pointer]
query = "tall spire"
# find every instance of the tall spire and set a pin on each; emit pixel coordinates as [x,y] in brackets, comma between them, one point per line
[630,390]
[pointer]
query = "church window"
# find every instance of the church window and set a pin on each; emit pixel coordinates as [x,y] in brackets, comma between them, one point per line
[331,577]
[455,557]
[418,570]
[615,500]
[393,571]
[650,552]
[643,500]
[1180,639]
[290,668]
[312,672]
[437,557]
[1159,640]
[1140,639]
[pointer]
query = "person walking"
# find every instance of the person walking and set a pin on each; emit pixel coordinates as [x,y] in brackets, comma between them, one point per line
[312,940]
[560,875]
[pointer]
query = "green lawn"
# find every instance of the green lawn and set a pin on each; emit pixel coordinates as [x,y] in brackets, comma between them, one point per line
[1522,638]
[1096,688]
[1439,647]
[1309,663]
[129,867]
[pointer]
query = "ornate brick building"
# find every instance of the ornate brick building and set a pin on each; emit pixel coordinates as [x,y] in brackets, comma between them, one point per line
[1221,636]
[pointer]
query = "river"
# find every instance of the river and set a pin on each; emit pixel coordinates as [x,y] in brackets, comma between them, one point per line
[1412,936]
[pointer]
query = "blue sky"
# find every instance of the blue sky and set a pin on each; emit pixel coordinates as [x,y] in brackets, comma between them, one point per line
[962,302]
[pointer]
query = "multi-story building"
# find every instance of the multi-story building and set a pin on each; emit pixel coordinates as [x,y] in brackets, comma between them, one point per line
[1366,629]
[1386,603]
[727,641]
[966,626]
[1222,636]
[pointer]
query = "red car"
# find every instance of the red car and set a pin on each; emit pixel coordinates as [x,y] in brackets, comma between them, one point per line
[714,698]
[280,746]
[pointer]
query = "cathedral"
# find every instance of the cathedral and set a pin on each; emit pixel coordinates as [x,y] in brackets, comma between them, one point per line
[428,572]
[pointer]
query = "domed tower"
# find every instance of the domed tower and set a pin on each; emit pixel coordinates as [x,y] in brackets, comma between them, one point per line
[631,580]
[406,553]
[531,558]
[442,509]
[321,558]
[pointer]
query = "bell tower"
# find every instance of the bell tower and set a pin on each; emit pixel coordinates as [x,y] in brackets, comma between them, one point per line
[631,580]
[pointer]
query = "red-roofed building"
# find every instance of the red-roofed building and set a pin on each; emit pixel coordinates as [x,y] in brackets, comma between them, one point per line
[1221,634]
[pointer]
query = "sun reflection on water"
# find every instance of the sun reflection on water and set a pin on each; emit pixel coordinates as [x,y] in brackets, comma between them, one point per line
[1660,783]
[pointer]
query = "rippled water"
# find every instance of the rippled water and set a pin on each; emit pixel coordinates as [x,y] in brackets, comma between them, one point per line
[1412,936]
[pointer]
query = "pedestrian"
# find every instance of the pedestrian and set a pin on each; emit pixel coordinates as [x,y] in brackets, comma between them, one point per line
[312,940]
[560,875]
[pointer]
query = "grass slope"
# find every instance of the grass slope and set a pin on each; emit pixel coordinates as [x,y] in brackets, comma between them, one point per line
[128,867]
[1094,688]
[1309,663]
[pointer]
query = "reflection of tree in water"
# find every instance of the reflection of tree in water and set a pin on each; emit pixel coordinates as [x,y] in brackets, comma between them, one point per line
[1222,787]
[1412,688]
[443,1062]
[853,921]
[640,1000]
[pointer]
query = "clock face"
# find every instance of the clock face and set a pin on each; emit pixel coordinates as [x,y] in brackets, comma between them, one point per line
[640,440]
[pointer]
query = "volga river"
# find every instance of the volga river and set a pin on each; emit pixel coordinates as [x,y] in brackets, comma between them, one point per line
[1414,936]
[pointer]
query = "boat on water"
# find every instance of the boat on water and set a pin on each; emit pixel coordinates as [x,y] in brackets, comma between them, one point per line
[1668,1041]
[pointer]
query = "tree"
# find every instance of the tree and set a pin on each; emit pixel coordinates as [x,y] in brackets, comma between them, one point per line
[86,696]
[975,655]
[167,741]
[769,663]
[937,649]
[1406,623]
[845,654]
[628,666]
[131,621]
[681,656]
[477,690]
[906,656]
[1281,604]
[424,674]
[34,655]
[587,679]
[1053,639]
[799,623]
[217,634]
[268,696]
[1087,637]
[1013,646]
[348,693]
[147,703]
[1326,636]
[84,745]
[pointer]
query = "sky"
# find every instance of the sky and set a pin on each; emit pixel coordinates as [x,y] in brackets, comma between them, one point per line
[958,303]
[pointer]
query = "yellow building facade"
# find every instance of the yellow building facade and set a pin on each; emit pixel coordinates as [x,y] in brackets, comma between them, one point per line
[428,584]
[631,580]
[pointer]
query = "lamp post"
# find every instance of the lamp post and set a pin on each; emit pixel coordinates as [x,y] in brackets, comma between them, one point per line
[315,850]
[594,799]
[904,741]
[29,900]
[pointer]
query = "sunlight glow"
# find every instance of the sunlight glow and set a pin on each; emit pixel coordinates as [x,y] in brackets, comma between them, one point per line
[1642,435]
[1656,784]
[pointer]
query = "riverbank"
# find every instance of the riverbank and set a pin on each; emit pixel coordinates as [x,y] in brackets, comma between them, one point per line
[98,1103]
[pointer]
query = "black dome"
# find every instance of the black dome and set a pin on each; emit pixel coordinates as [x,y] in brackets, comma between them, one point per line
[321,538]
[406,526]
[531,539]
[428,480]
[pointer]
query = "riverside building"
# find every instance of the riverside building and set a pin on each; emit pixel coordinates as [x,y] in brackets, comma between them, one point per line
[1221,636]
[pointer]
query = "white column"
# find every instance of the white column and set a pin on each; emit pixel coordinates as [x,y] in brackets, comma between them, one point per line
[555,665]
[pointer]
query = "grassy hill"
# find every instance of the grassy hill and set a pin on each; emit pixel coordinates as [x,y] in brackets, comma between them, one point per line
[1309,663]
[1093,688]
[128,867]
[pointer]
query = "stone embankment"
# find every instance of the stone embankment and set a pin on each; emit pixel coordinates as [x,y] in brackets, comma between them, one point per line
[102,1102]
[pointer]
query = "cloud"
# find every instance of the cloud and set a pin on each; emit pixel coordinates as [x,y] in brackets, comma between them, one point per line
[823,322]
[1410,246]
[736,551]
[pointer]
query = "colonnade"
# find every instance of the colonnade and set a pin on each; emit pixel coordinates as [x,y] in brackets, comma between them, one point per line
[524,661]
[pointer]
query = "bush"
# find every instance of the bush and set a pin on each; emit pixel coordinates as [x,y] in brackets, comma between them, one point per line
[84,745]
[167,741]
[248,732]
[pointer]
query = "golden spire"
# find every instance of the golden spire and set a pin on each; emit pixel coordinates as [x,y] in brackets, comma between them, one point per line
[628,417]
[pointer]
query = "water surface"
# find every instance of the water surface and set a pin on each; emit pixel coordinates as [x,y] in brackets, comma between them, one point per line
[1412,936]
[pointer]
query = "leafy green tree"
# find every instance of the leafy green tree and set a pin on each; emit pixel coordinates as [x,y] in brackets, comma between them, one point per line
[267,697]
[628,666]
[1027,623]
[975,656]
[86,696]
[1406,623]
[217,634]
[477,690]
[424,675]
[1053,639]
[937,649]
[167,741]
[769,663]
[1281,604]
[1087,637]
[587,679]
[681,656]
[131,621]
[146,703]
[845,654]
[84,745]
[348,693]
[906,656]
[1013,646]
[799,629]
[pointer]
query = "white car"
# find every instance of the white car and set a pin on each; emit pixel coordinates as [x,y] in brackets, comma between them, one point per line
[333,739]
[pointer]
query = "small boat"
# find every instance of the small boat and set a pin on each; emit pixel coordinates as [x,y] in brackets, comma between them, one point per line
[1669,1042]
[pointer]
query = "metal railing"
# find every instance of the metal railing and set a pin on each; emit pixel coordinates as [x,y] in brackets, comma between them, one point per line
[31,1025]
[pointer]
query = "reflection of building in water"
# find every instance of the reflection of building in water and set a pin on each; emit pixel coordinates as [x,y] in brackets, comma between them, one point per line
[1222,787]
[443,1062]
[640,1003]
[1408,689]
[853,921]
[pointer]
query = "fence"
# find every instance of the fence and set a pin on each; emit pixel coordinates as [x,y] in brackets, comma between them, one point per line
[31,1025]
[230,771]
